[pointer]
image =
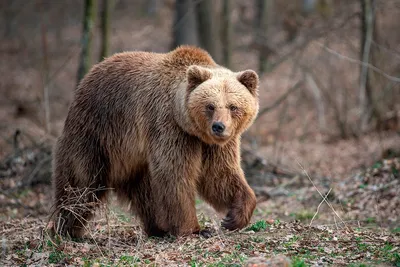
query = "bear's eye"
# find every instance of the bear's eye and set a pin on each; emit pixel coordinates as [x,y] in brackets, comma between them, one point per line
[210,107]
[233,108]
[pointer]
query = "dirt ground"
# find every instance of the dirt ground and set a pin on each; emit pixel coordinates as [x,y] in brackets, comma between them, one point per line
[292,226]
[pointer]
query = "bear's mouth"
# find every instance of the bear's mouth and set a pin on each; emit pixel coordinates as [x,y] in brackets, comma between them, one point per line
[220,136]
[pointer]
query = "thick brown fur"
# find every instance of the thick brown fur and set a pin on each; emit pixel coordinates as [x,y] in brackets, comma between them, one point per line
[140,124]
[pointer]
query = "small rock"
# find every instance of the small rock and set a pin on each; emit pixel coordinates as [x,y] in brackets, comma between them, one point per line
[276,261]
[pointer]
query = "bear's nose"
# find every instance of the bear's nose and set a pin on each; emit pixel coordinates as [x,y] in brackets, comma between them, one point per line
[218,127]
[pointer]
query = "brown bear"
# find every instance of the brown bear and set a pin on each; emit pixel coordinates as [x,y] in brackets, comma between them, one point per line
[156,129]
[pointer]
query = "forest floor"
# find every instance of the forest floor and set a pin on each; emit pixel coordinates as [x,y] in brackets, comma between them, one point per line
[358,225]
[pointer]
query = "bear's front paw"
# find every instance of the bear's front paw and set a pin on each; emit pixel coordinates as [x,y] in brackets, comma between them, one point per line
[229,223]
[207,232]
[233,221]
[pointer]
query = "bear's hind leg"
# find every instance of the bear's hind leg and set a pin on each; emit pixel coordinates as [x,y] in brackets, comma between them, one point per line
[76,201]
[138,191]
[76,208]
[143,197]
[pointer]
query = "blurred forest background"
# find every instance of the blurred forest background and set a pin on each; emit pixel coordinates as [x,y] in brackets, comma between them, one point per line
[329,91]
[309,54]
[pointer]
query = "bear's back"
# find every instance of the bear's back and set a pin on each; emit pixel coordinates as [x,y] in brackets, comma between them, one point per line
[128,87]
[123,73]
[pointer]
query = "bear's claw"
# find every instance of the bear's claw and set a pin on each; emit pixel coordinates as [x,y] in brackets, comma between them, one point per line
[229,223]
[207,233]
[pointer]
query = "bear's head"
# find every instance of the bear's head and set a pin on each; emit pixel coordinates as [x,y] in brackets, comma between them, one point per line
[221,104]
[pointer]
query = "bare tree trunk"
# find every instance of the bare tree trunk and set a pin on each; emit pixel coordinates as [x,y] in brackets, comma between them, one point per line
[105,28]
[59,19]
[206,26]
[308,6]
[86,42]
[227,31]
[152,7]
[185,26]
[325,7]
[45,79]
[365,90]
[262,7]
[10,12]
[318,99]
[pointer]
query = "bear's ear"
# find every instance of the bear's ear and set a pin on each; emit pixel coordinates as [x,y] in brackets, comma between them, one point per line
[197,75]
[249,78]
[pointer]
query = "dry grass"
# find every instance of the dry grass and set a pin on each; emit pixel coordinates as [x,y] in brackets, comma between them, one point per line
[286,226]
[120,242]
[114,237]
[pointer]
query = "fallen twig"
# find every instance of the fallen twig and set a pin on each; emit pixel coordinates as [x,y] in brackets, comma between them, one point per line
[324,199]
